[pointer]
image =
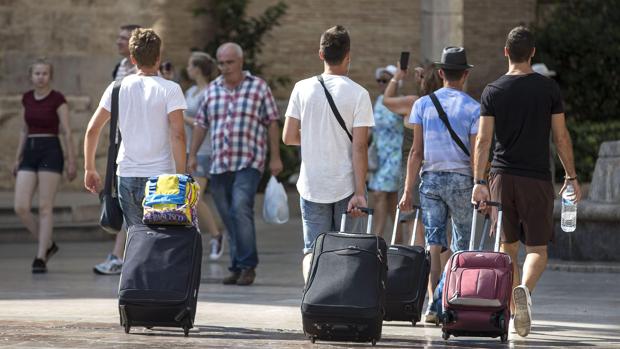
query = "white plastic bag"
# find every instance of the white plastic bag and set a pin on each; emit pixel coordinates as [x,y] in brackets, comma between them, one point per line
[275,206]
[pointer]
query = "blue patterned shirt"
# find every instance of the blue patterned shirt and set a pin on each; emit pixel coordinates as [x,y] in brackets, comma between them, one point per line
[441,153]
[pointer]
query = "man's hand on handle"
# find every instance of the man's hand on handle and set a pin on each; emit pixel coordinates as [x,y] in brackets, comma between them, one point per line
[479,196]
[405,203]
[355,202]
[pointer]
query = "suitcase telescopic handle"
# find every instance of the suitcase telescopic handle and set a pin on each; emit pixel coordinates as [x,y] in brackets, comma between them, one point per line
[366,210]
[396,221]
[498,229]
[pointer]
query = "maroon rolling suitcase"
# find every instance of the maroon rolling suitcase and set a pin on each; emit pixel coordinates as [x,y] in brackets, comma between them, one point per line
[478,288]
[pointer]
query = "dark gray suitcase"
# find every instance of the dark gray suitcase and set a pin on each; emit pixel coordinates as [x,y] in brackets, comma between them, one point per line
[407,278]
[160,277]
[344,297]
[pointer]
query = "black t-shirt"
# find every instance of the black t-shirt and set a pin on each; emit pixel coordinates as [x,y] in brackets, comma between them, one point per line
[522,106]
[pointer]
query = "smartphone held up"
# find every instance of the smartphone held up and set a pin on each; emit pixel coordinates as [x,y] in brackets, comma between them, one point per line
[404,60]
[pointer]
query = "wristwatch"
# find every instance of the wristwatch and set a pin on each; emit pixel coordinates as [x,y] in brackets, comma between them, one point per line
[480,181]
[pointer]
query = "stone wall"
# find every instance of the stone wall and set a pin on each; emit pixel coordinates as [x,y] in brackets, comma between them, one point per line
[79,38]
[379,31]
[486,24]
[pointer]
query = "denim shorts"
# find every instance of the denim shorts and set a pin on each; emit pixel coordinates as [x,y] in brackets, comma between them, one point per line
[130,197]
[442,193]
[320,218]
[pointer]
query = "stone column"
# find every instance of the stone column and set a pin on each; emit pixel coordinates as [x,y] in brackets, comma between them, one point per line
[442,25]
[605,185]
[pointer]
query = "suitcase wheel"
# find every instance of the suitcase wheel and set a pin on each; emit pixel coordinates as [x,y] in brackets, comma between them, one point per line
[504,338]
[312,339]
[148,327]
[413,323]
[374,342]
[186,331]
[445,335]
[127,328]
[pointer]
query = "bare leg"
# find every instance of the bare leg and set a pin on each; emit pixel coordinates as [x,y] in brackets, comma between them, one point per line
[305,266]
[25,184]
[205,216]
[435,274]
[119,243]
[419,240]
[380,206]
[534,265]
[48,186]
[512,249]
[391,203]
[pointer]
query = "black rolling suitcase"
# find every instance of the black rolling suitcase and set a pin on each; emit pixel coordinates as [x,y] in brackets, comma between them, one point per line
[345,294]
[160,277]
[407,279]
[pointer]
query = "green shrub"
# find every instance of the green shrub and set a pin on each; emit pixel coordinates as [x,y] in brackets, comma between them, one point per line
[587,137]
[579,39]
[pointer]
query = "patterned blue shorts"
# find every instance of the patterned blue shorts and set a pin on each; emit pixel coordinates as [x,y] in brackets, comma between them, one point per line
[442,193]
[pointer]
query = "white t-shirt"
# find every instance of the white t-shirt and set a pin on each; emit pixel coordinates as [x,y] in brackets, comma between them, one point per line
[326,174]
[144,103]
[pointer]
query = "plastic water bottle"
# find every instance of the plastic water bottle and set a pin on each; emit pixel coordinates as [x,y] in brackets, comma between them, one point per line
[568,222]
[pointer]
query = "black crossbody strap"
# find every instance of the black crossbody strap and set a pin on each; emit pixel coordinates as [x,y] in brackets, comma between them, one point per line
[334,109]
[444,118]
[115,141]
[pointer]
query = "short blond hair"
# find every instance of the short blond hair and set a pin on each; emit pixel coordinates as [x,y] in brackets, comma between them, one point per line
[144,46]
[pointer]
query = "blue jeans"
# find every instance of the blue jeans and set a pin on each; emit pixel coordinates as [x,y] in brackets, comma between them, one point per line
[233,193]
[440,192]
[320,218]
[130,197]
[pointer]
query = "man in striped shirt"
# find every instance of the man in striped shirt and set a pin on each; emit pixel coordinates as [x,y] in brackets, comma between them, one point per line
[241,113]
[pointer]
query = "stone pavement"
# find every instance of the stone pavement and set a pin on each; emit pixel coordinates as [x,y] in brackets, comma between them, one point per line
[70,307]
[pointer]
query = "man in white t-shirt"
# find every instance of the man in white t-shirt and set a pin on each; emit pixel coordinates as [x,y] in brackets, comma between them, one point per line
[334,160]
[150,123]
[113,263]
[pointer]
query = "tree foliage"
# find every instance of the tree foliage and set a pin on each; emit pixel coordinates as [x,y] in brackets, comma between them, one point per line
[580,41]
[233,24]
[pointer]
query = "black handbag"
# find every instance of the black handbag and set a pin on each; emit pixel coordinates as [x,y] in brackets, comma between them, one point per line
[111,219]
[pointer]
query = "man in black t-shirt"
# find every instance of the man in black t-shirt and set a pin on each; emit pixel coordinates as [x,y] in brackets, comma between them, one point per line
[523,107]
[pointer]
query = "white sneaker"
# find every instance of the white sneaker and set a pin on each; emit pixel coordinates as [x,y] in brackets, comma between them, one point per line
[511,325]
[217,248]
[111,266]
[523,310]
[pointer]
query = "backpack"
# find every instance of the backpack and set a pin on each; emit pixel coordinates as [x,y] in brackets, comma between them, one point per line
[170,199]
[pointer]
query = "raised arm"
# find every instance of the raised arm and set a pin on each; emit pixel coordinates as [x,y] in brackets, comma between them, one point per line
[400,105]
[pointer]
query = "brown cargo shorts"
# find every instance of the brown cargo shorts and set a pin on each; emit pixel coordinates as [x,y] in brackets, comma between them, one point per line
[527,208]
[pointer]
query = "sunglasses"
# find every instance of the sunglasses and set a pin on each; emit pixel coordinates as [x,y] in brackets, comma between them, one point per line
[382,81]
